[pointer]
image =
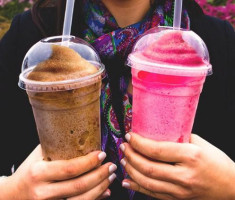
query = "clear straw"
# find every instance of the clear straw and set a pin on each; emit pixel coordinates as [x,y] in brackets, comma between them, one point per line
[177,14]
[68,19]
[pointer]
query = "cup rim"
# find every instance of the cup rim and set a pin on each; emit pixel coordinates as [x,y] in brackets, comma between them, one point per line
[48,86]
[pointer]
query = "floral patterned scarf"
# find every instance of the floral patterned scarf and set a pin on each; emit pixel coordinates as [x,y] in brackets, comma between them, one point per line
[113,44]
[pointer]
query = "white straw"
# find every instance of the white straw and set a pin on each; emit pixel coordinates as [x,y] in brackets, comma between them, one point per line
[177,14]
[68,18]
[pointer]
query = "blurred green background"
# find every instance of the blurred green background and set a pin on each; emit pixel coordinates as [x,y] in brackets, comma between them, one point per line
[8,9]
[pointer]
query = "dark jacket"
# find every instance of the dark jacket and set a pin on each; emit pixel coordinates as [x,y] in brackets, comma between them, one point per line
[215,116]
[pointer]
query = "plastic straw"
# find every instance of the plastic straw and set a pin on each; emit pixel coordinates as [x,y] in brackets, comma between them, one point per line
[68,18]
[177,14]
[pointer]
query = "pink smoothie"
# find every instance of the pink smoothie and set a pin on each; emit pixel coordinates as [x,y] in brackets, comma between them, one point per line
[165,102]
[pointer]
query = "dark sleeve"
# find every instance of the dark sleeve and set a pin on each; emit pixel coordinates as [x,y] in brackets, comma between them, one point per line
[18,135]
[215,117]
[230,35]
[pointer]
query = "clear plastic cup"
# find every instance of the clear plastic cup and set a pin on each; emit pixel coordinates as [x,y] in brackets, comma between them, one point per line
[169,68]
[66,106]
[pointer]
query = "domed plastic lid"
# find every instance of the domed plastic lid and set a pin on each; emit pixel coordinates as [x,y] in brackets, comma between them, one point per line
[56,64]
[172,52]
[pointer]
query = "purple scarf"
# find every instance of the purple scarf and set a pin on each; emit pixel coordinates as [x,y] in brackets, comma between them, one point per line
[113,45]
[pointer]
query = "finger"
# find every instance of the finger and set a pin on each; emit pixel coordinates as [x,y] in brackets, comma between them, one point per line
[197,140]
[35,155]
[99,192]
[129,184]
[106,194]
[81,184]
[33,160]
[205,146]
[65,169]
[150,184]
[162,151]
[152,169]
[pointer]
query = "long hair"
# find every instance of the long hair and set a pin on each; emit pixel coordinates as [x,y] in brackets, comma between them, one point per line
[59,6]
[58,10]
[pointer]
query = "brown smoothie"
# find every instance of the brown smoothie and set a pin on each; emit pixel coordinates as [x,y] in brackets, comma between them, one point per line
[68,121]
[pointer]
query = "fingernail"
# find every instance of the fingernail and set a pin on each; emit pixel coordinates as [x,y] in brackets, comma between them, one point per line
[106,194]
[123,162]
[112,177]
[102,156]
[128,137]
[126,185]
[122,147]
[112,168]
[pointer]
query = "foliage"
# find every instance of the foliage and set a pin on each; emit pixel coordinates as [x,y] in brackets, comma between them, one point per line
[4,25]
[222,9]
[9,8]
[4,2]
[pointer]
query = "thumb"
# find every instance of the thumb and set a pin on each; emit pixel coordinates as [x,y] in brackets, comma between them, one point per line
[199,141]
[207,147]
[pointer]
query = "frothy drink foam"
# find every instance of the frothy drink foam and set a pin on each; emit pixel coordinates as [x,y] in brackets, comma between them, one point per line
[172,49]
[165,101]
[68,121]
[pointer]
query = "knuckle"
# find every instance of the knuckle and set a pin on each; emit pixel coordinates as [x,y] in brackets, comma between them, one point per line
[186,177]
[188,180]
[129,171]
[81,198]
[183,194]
[195,155]
[156,151]
[148,170]
[36,194]
[137,187]
[35,171]
[153,194]
[150,186]
[93,162]
[180,195]
[80,185]
[101,173]
[70,169]
[133,140]
[135,144]
[127,155]
[103,186]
